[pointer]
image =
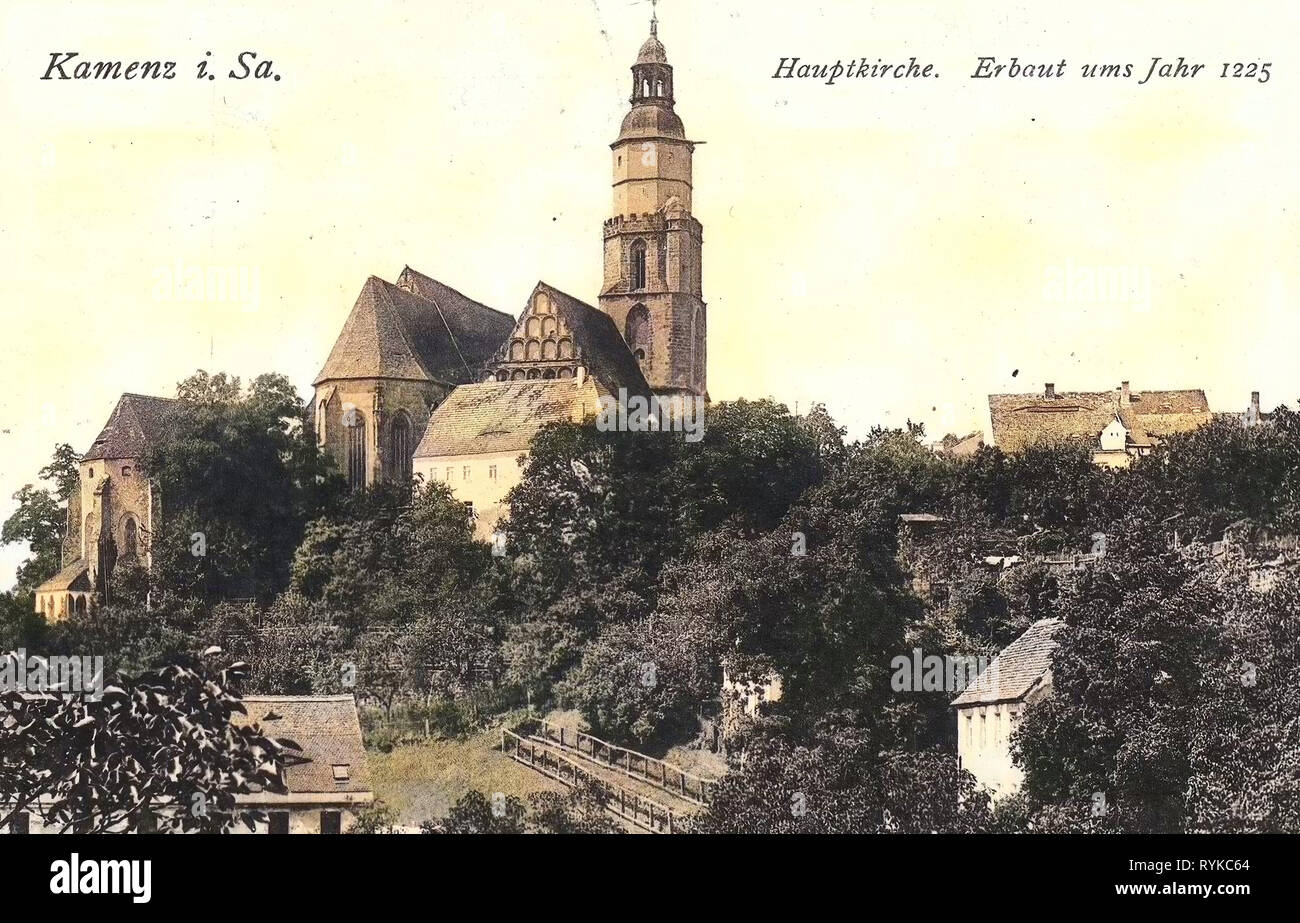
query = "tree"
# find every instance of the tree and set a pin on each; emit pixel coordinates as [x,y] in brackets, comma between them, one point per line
[41,519]
[240,481]
[474,813]
[160,745]
[581,810]
[1128,674]
[838,787]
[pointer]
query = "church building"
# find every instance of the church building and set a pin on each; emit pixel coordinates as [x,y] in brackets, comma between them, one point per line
[426,381]
[113,513]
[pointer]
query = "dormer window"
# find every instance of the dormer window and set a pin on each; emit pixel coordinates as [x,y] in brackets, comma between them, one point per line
[342,772]
[126,471]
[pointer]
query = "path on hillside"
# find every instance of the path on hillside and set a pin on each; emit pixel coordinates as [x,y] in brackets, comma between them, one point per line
[651,794]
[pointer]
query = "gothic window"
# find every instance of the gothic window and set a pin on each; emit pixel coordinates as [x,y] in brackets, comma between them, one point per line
[548,349]
[320,424]
[534,349]
[638,265]
[81,605]
[549,373]
[356,425]
[129,538]
[662,261]
[533,327]
[637,331]
[566,349]
[400,448]
[517,350]
[549,327]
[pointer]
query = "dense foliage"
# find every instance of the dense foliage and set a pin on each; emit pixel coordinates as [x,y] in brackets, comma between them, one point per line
[637,571]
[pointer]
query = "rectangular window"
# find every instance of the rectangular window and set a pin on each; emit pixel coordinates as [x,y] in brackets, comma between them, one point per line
[464,473]
[449,470]
[492,472]
[984,728]
[331,822]
[277,822]
[126,471]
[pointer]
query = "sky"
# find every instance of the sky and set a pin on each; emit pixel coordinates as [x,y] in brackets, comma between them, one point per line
[895,249]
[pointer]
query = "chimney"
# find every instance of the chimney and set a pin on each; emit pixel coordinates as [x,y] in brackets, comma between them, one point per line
[1254,403]
[581,377]
[1125,396]
[1049,391]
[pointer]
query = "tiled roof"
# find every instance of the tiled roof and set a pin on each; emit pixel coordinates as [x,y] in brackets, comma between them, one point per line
[1021,420]
[418,329]
[75,578]
[503,416]
[328,730]
[1017,669]
[137,423]
[599,345]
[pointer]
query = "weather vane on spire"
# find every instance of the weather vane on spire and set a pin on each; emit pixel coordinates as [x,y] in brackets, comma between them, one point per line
[654,17]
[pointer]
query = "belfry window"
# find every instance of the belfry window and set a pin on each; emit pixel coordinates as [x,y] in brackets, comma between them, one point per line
[638,266]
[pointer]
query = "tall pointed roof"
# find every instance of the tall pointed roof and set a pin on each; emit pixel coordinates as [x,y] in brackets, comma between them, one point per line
[417,330]
[138,422]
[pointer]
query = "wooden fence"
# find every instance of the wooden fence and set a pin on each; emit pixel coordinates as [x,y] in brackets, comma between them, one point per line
[655,772]
[644,812]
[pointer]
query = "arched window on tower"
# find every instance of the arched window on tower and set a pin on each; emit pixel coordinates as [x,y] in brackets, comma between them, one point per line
[130,538]
[638,265]
[637,332]
[400,448]
[355,422]
[320,423]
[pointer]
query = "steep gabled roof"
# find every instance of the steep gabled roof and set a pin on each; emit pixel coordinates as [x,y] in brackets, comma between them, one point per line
[504,416]
[137,423]
[1015,671]
[1021,420]
[599,345]
[418,329]
[328,730]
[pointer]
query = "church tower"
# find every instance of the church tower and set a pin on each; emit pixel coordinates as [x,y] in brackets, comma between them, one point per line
[652,284]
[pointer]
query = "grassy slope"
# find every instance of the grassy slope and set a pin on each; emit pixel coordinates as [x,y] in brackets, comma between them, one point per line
[422,781]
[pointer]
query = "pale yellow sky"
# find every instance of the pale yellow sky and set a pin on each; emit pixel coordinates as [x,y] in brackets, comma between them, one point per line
[888,247]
